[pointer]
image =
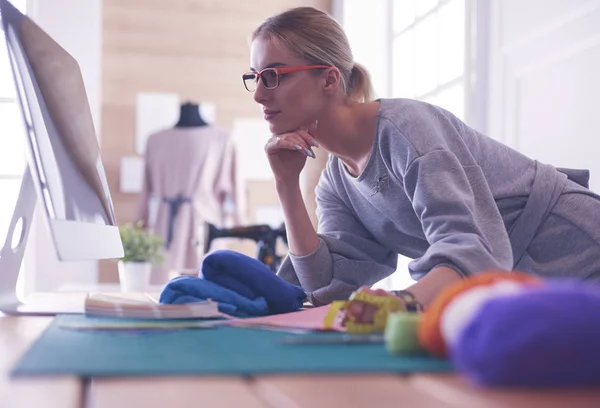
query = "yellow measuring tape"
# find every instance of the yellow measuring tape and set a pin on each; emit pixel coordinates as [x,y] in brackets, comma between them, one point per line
[384,306]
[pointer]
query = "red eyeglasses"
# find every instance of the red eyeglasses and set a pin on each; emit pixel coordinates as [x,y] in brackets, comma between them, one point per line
[270,76]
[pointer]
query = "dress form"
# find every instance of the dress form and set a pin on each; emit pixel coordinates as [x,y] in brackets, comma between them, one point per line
[189,116]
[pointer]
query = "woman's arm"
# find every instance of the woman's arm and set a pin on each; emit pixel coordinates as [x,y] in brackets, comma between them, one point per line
[460,220]
[459,216]
[429,286]
[301,236]
[338,260]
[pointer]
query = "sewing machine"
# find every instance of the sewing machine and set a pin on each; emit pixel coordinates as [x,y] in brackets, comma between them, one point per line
[265,237]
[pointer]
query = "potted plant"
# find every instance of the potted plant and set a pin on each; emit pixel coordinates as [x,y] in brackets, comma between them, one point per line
[143,249]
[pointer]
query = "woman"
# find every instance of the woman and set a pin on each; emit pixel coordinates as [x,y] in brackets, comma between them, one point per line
[403,177]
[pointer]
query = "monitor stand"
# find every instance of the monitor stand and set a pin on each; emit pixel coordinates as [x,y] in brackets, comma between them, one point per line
[11,258]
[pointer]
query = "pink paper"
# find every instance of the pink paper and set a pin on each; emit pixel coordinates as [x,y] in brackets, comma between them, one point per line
[308,319]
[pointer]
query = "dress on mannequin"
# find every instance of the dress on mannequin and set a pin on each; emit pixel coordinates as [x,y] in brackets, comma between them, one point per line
[189,174]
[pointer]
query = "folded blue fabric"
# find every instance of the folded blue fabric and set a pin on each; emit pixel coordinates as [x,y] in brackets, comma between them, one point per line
[546,336]
[252,279]
[187,289]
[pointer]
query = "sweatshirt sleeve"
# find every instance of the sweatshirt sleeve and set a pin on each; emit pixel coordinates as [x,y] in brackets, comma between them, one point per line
[459,216]
[347,256]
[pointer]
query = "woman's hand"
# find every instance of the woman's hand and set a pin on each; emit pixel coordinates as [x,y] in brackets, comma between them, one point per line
[287,154]
[425,291]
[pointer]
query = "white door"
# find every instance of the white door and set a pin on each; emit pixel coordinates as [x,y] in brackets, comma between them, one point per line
[544,97]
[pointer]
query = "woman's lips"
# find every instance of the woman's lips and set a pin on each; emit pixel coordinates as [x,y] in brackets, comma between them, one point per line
[269,115]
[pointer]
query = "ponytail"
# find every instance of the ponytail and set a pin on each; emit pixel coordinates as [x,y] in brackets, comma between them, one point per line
[359,84]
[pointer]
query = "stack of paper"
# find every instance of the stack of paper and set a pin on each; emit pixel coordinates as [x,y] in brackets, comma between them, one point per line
[116,306]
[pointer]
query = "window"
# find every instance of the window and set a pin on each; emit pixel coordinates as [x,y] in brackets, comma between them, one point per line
[413,49]
[12,136]
[428,52]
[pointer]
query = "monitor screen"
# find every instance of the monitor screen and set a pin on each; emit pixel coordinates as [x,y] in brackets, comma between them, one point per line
[64,155]
[60,127]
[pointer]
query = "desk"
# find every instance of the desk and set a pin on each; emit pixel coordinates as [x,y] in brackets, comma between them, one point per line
[298,391]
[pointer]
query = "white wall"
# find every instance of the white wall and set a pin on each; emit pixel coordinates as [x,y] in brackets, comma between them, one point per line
[545,82]
[77,26]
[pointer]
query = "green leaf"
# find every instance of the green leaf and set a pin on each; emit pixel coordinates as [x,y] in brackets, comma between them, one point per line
[141,245]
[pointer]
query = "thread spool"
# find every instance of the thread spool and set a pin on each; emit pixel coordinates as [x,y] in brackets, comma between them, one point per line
[401,333]
[430,334]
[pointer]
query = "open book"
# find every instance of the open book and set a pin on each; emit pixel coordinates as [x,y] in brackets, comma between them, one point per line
[144,306]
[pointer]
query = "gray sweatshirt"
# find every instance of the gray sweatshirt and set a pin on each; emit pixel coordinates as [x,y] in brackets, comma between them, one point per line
[434,190]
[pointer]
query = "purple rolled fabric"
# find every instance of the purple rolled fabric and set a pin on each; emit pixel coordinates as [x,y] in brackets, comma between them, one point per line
[546,336]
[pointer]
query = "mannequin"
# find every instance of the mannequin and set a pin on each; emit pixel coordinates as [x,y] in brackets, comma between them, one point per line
[189,171]
[189,116]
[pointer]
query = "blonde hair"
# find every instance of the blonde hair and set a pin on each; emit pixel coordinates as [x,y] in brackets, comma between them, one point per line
[319,39]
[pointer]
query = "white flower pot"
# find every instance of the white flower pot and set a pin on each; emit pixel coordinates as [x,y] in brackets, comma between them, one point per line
[134,276]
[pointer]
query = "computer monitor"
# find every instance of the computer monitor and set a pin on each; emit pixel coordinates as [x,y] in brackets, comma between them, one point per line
[64,162]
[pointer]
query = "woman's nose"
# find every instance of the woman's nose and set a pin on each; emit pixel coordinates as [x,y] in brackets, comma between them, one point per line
[261,93]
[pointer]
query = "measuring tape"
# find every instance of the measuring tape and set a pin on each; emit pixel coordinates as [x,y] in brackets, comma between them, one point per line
[384,306]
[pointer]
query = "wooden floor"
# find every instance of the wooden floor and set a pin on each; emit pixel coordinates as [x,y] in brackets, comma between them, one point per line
[296,391]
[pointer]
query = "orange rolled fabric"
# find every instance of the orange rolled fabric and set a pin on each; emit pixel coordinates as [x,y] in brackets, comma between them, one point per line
[429,332]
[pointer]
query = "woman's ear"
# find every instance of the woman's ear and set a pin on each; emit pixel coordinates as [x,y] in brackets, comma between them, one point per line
[333,80]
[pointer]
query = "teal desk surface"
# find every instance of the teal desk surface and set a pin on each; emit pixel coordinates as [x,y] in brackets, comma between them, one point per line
[310,390]
[64,348]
